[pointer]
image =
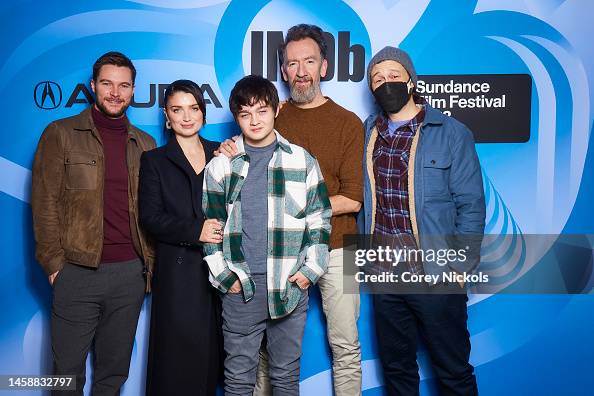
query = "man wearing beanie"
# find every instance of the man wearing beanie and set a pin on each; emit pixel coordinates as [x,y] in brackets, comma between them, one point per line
[422,189]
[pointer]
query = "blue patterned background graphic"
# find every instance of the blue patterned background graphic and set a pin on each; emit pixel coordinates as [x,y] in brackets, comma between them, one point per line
[521,344]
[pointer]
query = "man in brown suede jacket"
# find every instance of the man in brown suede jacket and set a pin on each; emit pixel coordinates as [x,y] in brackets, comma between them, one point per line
[85,216]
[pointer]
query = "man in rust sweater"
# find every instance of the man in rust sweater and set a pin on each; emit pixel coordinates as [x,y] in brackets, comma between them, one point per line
[85,217]
[334,136]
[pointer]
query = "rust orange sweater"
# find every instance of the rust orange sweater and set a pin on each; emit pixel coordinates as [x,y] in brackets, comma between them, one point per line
[335,137]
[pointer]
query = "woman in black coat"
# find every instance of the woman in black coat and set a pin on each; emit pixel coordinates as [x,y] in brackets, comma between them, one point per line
[185,347]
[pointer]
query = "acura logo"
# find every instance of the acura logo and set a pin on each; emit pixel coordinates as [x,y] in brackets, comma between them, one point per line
[48,95]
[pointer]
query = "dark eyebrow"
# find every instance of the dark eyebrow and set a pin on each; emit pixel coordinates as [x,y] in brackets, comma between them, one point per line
[109,81]
[390,70]
[308,58]
[179,106]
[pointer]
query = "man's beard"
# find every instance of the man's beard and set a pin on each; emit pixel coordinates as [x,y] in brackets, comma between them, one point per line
[110,113]
[306,94]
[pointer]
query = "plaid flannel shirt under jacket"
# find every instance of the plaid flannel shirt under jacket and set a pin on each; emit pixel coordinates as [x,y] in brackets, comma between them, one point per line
[299,215]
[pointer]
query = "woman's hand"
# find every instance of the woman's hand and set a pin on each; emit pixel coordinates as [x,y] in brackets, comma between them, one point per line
[228,148]
[212,231]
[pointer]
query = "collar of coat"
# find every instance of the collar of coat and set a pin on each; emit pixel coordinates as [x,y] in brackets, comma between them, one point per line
[175,153]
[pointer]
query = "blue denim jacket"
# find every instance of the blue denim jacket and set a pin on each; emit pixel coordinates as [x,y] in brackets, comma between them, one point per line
[446,196]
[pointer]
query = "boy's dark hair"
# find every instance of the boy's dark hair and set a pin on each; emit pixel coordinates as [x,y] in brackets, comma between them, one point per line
[303,31]
[186,86]
[113,58]
[251,90]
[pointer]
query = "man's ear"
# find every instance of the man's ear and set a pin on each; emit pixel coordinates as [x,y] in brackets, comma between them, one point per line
[283,74]
[93,85]
[324,68]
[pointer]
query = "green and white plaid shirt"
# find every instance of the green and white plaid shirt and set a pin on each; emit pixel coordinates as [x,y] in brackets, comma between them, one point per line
[299,215]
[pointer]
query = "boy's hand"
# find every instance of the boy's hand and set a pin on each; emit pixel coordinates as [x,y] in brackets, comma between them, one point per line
[228,148]
[235,287]
[301,280]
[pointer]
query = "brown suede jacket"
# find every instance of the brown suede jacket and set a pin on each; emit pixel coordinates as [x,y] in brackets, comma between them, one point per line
[67,194]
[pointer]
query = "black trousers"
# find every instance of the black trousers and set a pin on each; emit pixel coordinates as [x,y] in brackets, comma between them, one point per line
[441,320]
[101,306]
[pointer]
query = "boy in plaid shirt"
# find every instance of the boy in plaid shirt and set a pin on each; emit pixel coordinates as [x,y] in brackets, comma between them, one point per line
[272,198]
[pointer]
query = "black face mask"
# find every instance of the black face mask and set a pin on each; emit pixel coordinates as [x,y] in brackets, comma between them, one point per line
[392,96]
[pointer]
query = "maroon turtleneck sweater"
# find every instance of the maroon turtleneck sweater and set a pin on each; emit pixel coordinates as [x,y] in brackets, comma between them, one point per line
[117,241]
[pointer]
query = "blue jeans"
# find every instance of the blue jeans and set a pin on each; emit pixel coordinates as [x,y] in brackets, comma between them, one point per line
[244,325]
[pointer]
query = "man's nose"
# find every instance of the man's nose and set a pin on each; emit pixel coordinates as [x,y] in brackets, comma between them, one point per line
[301,72]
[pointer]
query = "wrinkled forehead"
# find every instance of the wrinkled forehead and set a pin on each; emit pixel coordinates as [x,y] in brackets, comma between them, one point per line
[304,48]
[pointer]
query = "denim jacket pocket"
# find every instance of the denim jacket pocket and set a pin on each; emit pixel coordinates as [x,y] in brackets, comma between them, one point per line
[436,173]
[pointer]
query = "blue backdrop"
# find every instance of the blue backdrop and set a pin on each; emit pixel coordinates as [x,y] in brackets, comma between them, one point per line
[521,344]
